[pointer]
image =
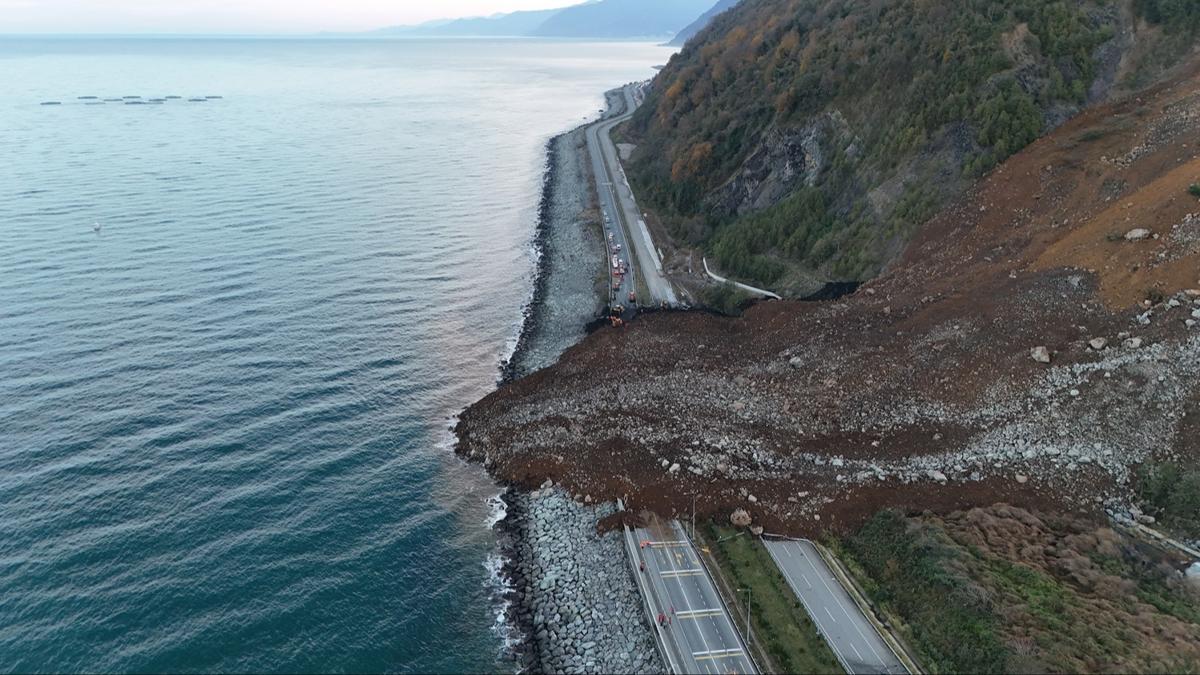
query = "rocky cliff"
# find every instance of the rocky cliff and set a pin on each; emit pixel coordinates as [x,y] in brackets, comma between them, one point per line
[873,114]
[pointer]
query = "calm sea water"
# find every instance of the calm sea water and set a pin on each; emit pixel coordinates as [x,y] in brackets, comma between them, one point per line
[223,417]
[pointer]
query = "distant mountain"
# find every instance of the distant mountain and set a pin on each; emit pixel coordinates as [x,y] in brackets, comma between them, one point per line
[516,24]
[594,19]
[700,24]
[623,18]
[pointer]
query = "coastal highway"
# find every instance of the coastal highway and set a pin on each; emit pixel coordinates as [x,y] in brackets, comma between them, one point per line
[618,204]
[608,205]
[851,636]
[700,637]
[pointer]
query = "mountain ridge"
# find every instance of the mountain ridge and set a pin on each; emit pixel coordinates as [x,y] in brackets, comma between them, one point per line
[612,19]
[700,24]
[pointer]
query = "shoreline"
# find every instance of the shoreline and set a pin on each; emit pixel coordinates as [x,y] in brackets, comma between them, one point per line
[512,529]
[566,605]
[509,368]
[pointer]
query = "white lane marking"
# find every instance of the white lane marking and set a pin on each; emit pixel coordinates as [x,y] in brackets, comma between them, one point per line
[849,618]
[696,612]
[806,581]
[708,591]
[830,614]
[682,573]
[796,589]
[687,606]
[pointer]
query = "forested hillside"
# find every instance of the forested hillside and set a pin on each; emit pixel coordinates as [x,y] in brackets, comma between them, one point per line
[815,135]
[700,24]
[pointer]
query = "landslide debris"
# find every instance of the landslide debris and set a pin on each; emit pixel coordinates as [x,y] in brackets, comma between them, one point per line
[919,389]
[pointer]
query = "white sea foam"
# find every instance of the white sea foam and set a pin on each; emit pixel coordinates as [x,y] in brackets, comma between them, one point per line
[497,510]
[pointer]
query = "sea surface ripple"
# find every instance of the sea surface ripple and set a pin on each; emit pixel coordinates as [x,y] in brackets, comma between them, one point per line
[233,334]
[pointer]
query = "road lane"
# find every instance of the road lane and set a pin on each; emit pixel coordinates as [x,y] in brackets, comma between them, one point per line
[618,202]
[859,648]
[700,631]
[613,232]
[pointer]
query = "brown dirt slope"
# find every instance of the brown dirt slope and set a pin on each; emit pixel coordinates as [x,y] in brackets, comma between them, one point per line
[920,390]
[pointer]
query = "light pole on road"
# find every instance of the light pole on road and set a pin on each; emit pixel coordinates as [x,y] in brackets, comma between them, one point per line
[693,516]
[748,604]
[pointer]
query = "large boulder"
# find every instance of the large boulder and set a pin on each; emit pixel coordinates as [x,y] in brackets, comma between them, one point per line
[740,518]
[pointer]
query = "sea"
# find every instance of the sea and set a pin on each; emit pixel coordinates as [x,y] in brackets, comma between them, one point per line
[236,324]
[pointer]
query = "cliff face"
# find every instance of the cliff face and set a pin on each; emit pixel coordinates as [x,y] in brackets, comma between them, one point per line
[927,97]
[930,387]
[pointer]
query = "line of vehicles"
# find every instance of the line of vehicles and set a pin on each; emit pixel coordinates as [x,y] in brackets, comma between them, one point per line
[619,267]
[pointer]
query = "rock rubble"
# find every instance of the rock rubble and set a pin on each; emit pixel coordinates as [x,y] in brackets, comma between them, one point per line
[578,598]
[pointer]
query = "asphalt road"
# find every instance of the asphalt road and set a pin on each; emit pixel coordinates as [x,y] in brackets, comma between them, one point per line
[624,219]
[853,639]
[700,634]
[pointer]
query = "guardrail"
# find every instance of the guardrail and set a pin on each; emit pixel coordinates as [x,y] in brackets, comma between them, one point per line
[895,646]
[744,287]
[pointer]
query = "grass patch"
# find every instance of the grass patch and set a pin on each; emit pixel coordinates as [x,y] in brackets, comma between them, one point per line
[1194,189]
[724,298]
[1098,602]
[778,619]
[915,573]
[1171,493]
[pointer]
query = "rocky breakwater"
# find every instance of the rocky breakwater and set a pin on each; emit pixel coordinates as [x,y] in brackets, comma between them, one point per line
[577,598]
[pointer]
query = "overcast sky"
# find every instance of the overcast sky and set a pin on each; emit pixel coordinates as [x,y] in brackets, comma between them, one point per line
[239,16]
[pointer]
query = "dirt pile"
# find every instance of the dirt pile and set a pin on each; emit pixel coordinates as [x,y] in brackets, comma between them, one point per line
[923,388]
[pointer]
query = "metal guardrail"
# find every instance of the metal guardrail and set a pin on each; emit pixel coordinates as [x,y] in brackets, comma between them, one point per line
[745,287]
[893,645]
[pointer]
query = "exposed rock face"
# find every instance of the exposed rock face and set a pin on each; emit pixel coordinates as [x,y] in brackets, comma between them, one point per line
[788,159]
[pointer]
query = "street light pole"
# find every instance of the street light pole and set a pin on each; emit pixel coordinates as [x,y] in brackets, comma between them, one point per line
[748,605]
[693,516]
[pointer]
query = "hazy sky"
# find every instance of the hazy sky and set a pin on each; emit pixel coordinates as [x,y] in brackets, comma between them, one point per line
[239,16]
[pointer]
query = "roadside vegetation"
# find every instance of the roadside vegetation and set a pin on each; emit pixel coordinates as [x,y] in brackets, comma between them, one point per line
[1004,590]
[778,619]
[1171,493]
[903,103]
